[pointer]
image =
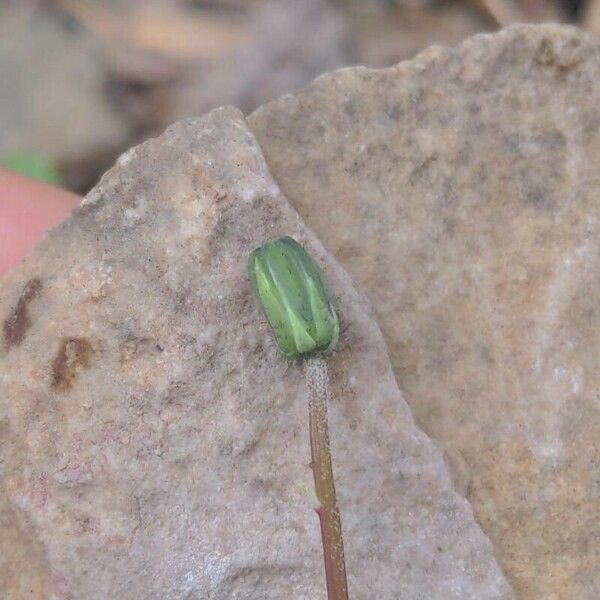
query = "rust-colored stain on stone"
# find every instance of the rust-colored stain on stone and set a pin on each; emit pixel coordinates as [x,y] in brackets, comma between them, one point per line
[17,324]
[73,355]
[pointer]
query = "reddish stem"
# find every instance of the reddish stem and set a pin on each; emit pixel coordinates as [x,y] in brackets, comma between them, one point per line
[317,377]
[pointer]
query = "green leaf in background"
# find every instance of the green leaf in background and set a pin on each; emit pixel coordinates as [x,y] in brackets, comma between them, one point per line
[32,166]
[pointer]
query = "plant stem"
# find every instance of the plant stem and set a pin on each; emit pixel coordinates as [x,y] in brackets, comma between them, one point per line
[317,378]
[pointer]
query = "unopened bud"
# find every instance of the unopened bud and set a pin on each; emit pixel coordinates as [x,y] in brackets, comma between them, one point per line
[292,293]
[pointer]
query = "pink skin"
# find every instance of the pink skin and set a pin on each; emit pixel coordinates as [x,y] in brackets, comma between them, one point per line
[27,209]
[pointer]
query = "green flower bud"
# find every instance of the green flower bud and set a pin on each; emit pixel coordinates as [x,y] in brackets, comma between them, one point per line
[292,293]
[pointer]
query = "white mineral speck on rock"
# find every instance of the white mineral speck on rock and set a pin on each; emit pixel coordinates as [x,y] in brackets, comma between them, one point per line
[126,157]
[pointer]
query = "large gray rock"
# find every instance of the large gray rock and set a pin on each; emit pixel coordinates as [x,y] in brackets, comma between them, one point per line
[461,190]
[155,442]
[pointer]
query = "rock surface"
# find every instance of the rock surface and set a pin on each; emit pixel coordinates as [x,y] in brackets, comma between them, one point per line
[461,190]
[154,441]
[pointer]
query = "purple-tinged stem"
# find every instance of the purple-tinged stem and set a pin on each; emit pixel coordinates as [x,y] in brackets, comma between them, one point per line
[317,377]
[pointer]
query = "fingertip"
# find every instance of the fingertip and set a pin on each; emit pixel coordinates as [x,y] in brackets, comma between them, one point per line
[28,208]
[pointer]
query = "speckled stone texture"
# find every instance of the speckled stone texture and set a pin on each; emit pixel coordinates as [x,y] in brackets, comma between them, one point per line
[155,442]
[462,190]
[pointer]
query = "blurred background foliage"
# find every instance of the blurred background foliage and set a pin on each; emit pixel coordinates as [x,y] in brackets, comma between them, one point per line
[82,80]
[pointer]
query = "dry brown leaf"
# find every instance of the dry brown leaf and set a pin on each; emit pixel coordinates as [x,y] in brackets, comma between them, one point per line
[385,37]
[150,42]
[591,18]
[505,12]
